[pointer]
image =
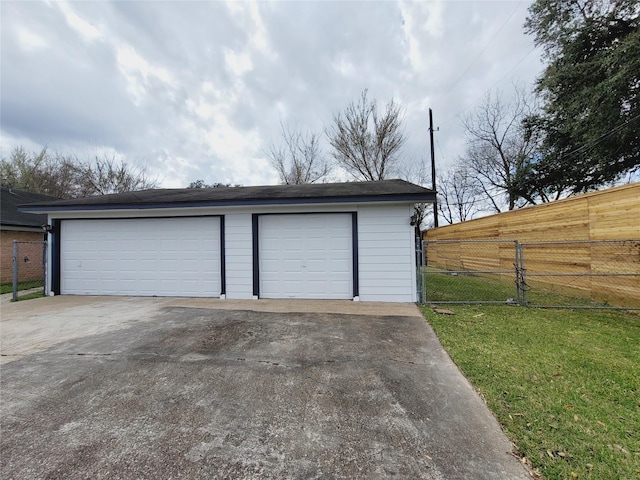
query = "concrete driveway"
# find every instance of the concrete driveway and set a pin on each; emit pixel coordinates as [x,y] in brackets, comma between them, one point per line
[96,387]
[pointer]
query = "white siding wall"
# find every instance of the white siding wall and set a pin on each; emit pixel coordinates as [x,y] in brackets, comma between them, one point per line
[239,255]
[385,245]
[386,256]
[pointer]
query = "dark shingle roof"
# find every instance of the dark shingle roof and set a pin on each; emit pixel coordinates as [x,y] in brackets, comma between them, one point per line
[11,216]
[350,192]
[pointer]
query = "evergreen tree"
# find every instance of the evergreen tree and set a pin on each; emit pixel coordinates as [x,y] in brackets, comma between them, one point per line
[590,92]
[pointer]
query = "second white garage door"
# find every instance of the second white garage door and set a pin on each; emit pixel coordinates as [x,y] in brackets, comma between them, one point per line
[145,256]
[306,256]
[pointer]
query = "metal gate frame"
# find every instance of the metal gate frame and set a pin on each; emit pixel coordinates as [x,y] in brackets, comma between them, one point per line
[518,272]
[16,265]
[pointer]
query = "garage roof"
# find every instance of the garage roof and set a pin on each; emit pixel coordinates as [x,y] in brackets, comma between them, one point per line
[10,216]
[348,192]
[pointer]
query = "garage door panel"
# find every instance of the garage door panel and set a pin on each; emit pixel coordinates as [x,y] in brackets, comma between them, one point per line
[270,265]
[148,256]
[289,244]
[190,265]
[289,266]
[337,287]
[341,266]
[292,286]
[305,256]
[319,266]
[317,243]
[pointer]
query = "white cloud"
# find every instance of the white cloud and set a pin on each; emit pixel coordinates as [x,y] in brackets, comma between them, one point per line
[138,72]
[84,28]
[197,90]
[238,63]
[422,22]
[30,40]
[247,14]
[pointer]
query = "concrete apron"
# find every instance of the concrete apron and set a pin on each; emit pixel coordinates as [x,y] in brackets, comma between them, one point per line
[312,389]
[34,325]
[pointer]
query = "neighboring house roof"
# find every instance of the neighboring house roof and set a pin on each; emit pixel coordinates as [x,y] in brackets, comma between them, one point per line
[10,216]
[349,192]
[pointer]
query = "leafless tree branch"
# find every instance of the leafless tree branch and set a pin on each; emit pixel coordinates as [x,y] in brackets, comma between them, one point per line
[366,144]
[299,158]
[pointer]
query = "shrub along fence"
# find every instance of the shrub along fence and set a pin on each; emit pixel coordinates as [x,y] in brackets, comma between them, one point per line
[584,274]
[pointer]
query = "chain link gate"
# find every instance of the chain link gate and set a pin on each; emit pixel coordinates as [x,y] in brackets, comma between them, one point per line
[571,274]
[29,266]
[471,271]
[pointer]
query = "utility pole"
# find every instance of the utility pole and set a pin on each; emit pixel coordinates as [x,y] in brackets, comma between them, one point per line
[433,170]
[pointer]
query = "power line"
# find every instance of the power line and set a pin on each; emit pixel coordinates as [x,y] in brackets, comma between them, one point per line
[601,137]
[491,87]
[440,149]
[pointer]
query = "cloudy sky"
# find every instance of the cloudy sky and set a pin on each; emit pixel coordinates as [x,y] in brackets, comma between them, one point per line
[198,90]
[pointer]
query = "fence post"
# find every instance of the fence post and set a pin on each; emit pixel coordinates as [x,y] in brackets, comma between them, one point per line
[517,269]
[523,276]
[423,270]
[521,284]
[419,266]
[417,263]
[15,271]
[44,267]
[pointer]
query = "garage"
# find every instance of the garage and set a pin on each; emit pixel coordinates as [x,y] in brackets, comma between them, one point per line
[349,240]
[141,256]
[306,256]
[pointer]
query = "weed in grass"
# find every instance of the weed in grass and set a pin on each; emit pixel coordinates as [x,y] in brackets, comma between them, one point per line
[565,384]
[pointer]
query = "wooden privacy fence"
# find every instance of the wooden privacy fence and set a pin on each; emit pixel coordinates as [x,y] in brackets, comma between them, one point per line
[586,247]
[606,272]
[612,214]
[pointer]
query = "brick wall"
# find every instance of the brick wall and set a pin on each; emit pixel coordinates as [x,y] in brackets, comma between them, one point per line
[31,269]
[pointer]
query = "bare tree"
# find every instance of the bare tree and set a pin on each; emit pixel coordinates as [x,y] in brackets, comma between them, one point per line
[298,159]
[106,175]
[417,174]
[460,195]
[499,151]
[68,177]
[365,143]
[37,172]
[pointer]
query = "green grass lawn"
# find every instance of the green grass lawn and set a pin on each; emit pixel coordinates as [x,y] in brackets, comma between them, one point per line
[468,287]
[31,295]
[445,287]
[564,384]
[8,287]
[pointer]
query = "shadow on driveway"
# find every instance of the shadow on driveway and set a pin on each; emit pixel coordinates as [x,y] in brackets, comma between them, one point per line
[210,393]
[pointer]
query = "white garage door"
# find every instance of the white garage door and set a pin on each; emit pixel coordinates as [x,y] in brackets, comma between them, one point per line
[305,256]
[146,256]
